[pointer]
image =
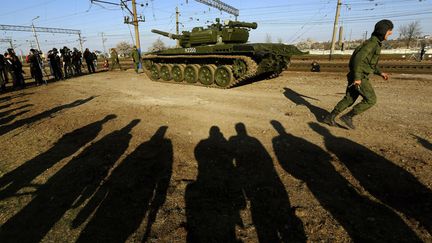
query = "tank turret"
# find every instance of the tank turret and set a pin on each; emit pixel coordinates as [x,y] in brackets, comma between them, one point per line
[240,24]
[217,33]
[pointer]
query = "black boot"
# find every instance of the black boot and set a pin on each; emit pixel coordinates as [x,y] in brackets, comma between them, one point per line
[329,119]
[347,119]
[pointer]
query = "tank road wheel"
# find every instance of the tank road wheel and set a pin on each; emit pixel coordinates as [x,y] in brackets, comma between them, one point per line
[177,72]
[155,71]
[147,64]
[223,76]
[165,72]
[206,74]
[239,68]
[191,73]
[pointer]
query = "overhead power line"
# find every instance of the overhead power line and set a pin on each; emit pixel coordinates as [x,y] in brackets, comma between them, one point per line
[8,40]
[42,29]
[221,6]
[38,29]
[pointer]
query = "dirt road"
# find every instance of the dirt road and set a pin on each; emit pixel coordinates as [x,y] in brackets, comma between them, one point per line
[114,156]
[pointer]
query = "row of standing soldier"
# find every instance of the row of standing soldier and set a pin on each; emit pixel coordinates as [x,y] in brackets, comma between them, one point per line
[62,65]
[70,61]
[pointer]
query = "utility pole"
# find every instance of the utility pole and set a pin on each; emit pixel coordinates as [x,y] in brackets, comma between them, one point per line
[135,17]
[177,25]
[335,28]
[80,42]
[34,32]
[341,39]
[350,38]
[135,20]
[135,23]
[103,42]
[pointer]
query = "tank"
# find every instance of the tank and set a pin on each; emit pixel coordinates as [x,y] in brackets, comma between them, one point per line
[218,55]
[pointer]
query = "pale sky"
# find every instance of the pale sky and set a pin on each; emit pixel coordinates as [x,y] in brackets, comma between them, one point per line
[290,21]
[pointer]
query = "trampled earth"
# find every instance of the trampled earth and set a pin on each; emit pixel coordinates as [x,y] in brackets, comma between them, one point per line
[116,157]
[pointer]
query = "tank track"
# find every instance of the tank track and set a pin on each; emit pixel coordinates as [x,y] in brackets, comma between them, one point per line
[251,68]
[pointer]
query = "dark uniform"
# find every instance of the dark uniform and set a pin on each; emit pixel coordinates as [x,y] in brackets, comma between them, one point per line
[363,62]
[35,66]
[315,67]
[2,73]
[76,61]
[88,56]
[67,62]
[55,64]
[14,65]
[422,52]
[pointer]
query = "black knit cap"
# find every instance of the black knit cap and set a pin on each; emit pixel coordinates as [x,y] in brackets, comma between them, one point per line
[381,28]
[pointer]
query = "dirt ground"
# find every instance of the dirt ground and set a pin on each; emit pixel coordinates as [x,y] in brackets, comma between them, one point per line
[115,157]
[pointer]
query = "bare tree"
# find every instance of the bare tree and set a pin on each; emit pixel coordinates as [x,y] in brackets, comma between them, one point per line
[280,40]
[124,49]
[268,38]
[158,45]
[410,32]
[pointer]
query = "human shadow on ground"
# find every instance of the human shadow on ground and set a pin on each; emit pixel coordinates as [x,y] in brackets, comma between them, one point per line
[13,103]
[386,181]
[11,97]
[5,113]
[5,98]
[136,187]
[26,121]
[5,120]
[71,185]
[299,99]
[214,199]
[67,145]
[425,143]
[363,219]
[5,106]
[272,214]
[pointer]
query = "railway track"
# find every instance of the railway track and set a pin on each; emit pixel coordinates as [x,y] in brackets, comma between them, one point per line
[342,66]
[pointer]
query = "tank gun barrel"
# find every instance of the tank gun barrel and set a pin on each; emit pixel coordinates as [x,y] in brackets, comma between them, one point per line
[252,25]
[167,34]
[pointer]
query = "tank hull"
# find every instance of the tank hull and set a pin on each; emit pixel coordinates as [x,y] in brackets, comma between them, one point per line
[219,66]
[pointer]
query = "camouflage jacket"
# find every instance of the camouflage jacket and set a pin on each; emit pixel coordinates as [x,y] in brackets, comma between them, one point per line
[135,55]
[364,60]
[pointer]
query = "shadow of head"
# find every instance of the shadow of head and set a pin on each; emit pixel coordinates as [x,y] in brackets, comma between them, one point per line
[241,129]
[109,117]
[278,126]
[159,134]
[425,143]
[131,125]
[215,132]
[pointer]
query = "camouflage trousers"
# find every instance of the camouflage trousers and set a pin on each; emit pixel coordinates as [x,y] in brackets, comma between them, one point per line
[115,62]
[365,90]
[136,66]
